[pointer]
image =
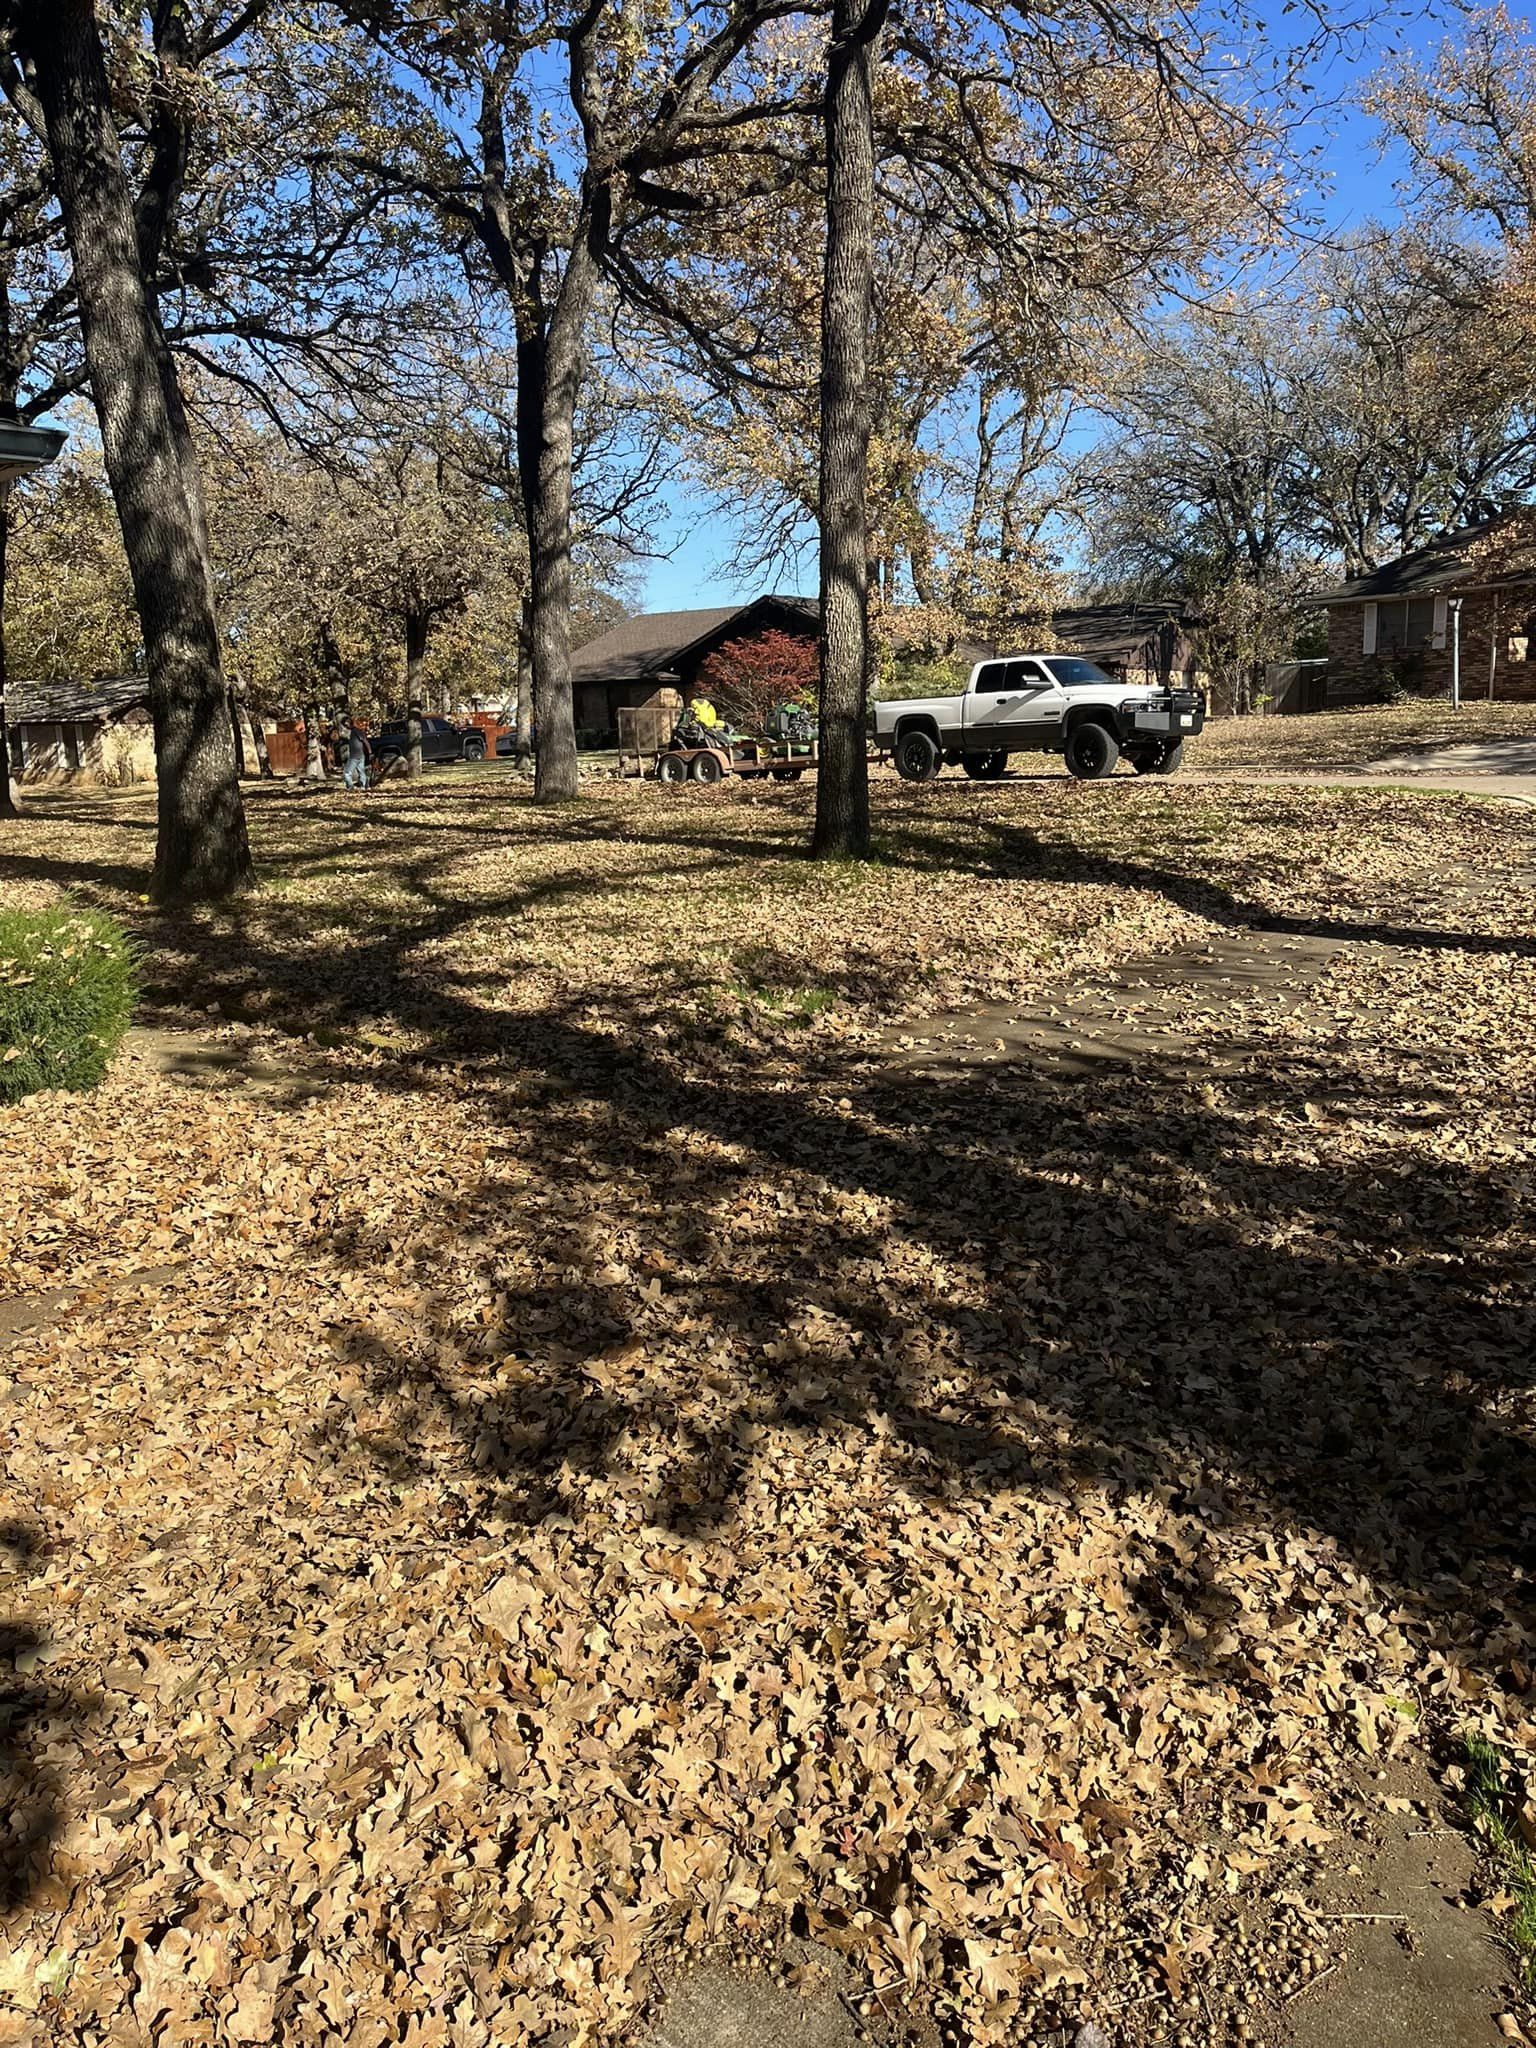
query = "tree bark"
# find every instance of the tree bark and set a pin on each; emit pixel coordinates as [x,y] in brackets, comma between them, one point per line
[549,366]
[842,779]
[259,739]
[202,849]
[249,751]
[417,626]
[239,737]
[9,808]
[523,740]
[314,759]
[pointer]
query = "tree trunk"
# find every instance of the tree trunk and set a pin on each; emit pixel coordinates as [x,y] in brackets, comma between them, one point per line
[201,849]
[249,752]
[241,770]
[523,742]
[314,759]
[549,366]
[9,808]
[842,780]
[417,626]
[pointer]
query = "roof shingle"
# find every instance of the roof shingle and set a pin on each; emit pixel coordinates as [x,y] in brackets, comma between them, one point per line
[71,703]
[1471,555]
[651,645]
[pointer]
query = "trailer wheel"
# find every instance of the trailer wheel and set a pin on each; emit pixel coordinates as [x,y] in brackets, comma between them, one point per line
[986,767]
[672,768]
[917,758]
[707,767]
[1092,751]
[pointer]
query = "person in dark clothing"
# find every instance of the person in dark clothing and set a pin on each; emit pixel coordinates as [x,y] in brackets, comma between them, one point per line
[359,754]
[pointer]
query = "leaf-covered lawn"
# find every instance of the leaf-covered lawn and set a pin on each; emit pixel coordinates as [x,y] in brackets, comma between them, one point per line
[1353,739]
[618,1469]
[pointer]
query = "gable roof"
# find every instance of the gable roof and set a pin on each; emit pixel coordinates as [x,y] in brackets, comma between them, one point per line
[1470,555]
[71,703]
[651,646]
[1114,632]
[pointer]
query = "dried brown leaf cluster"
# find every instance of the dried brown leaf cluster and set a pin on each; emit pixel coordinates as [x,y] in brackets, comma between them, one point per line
[599,1465]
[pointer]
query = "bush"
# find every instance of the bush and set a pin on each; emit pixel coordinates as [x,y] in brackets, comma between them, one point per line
[68,983]
[917,675]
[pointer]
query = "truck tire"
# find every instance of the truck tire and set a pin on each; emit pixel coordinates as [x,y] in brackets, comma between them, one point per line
[986,767]
[672,768]
[916,756]
[1092,751]
[707,767]
[1166,758]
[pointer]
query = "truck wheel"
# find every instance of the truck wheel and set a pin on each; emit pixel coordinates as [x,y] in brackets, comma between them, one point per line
[1092,751]
[917,758]
[986,767]
[672,768]
[1166,758]
[707,767]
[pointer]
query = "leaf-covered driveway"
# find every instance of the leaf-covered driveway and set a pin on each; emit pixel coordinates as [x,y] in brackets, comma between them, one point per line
[621,1467]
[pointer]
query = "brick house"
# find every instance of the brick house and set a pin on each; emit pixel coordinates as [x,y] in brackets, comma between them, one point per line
[1392,630]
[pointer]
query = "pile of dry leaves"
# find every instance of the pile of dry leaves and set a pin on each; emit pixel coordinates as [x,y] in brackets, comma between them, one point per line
[599,1464]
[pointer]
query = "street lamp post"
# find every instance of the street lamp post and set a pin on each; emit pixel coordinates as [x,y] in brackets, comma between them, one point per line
[1455,653]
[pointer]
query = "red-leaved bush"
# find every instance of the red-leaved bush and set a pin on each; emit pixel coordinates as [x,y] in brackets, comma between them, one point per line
[746,679]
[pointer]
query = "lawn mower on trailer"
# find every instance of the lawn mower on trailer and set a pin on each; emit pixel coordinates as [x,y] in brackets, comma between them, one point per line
[708,753]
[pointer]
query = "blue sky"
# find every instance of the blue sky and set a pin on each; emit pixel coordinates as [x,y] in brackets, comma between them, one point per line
[1353,184]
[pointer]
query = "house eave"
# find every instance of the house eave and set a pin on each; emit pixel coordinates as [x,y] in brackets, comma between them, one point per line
[24,449]
[1339,600]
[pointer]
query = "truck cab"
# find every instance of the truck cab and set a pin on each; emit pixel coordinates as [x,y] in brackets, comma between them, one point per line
[1042,703]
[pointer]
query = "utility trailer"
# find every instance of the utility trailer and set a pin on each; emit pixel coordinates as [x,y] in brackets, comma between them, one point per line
[676,751]
[784,760]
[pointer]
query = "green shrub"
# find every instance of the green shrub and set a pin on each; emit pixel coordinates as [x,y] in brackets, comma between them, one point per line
[915,675]
[67,988]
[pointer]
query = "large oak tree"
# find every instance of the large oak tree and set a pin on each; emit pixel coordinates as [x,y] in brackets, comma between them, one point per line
[201,847]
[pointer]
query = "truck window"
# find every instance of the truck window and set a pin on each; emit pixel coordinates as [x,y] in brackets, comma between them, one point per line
[1009,675]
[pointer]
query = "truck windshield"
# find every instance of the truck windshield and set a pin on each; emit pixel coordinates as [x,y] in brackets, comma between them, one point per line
[1068,668]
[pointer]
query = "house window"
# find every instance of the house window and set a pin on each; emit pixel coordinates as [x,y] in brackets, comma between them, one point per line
[1403,625]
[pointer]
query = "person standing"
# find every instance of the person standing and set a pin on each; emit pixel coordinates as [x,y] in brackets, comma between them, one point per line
[359,755]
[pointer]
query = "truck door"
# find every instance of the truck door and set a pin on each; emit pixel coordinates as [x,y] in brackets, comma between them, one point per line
[1011,702]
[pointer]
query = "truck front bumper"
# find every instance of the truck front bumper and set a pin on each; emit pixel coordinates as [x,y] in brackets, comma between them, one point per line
[1175,717]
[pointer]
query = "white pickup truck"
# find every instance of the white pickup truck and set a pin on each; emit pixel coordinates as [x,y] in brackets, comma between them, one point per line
[1041,704]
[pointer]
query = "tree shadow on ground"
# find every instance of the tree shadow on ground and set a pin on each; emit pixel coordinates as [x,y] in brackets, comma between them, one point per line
[1101,1286]
[33,1717]
[1127,1284]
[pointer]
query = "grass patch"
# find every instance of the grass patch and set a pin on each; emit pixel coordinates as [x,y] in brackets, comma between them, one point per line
[1349,739]
[68,984]
[1491,1799]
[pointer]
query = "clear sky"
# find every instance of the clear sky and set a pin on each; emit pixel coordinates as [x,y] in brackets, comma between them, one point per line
[1353,182]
